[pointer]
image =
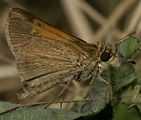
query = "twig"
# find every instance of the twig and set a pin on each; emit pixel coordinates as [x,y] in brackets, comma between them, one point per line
[93,13]
[121,9]
[42,103]
[134,19]
[78,22]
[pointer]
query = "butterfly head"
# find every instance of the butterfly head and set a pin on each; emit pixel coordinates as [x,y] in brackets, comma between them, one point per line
[107,53]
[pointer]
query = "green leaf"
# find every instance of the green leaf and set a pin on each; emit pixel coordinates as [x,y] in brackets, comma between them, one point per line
[98,92]
[126,48]
[125,76]
[37,112]
[131,95]
[139,80]
[112,71]
[126,96]
[124,113]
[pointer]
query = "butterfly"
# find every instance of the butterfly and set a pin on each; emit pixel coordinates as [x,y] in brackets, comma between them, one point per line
[46,56]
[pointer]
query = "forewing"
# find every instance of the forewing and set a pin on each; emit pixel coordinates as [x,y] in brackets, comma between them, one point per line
[23,22]
[44,55]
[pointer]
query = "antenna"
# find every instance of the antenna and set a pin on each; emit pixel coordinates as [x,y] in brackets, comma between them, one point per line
[132,33]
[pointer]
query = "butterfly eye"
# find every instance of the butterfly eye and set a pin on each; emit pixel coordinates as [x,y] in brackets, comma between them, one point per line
[105,56]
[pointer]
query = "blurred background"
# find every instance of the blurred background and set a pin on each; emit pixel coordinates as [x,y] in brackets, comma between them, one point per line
[90,20]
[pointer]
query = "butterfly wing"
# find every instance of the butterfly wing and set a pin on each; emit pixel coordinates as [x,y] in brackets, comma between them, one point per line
[44,55]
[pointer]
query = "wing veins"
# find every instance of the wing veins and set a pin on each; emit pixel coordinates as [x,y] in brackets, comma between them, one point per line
[71,66]
[53,56]
[69,41]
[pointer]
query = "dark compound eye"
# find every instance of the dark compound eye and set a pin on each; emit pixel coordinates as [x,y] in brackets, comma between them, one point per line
[105,56]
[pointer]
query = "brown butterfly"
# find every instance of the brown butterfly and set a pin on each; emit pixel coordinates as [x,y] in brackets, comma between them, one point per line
[46,57]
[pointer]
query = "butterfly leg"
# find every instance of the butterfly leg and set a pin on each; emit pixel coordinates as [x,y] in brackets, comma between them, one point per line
[90,91]
[100,78]
[97,74]
[108,89]
[108,86]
